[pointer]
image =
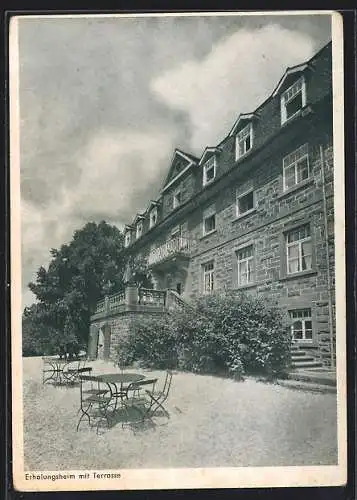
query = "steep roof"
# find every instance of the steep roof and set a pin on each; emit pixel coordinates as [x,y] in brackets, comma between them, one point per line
[180,163]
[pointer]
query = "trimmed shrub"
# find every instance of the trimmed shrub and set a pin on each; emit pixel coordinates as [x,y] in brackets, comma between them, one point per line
[225,333]
[151,342]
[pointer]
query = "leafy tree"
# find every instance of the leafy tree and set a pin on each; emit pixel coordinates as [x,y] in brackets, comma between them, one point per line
[138,272]
[79,274]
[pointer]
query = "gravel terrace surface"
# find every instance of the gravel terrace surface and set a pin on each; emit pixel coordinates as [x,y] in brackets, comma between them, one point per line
[214,422]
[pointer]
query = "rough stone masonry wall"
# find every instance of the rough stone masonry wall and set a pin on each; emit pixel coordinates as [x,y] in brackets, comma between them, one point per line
[119,325]
[275,213]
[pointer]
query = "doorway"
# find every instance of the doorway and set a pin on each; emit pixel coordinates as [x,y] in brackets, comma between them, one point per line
[103,349]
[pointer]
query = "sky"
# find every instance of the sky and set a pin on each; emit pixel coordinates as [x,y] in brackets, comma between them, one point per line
[104,101]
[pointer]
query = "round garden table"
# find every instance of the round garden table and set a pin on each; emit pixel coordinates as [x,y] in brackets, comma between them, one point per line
[59,370]
[121,380]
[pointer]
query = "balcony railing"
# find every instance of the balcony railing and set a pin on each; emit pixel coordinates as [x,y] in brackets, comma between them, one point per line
[152,297]
[169,249]
[110,304]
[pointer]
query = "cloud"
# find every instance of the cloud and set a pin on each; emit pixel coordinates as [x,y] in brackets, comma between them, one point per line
[236,76]
[117,167]
[104,102]
[115,170]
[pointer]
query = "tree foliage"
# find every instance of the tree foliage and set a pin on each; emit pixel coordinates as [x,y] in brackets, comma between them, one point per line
[79,274]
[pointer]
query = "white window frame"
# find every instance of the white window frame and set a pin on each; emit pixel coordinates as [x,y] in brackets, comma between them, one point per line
[153,213]
[139,229]
[293,159]
[289,94]
[208,165]
[299,244]
[175,202]
[249,261]
[208,277]
[208,216]
[241,137]
[239,197]
[305,316]
[127,239]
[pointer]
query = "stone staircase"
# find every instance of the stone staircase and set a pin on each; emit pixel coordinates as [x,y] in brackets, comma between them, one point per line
[301,358]
[309,373]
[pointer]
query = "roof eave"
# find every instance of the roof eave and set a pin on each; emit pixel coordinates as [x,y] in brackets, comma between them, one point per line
[242,117]
[207,151]
[290,71]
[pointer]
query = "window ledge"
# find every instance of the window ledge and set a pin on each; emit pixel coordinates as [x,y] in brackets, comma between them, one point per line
[306,110]
[305,344]
[240,288]
[245,214]
[297,187]
[243,156]
[207,183]
[208,234]
[310,272]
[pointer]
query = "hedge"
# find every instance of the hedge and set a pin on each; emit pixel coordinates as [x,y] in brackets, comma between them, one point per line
[224,333]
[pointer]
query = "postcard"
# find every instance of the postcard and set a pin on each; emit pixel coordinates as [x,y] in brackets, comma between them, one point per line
[177,241]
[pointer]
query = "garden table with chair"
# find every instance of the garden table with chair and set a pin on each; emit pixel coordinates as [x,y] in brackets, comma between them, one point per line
[100,395]
[62,370]
[118,384]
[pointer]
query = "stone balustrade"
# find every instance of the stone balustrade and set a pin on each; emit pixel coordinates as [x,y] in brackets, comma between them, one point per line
[168,249]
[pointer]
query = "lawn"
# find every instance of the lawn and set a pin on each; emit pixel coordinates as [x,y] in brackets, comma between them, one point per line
[214,422]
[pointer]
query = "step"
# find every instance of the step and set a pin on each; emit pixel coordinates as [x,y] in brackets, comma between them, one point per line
[323,378]
[302,358]
[308,386]
[297,347]
[306,364]
[298,354]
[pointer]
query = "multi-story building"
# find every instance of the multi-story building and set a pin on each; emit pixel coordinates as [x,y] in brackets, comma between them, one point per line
[255,212]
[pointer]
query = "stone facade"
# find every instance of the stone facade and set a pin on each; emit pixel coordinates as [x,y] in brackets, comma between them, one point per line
[279,188]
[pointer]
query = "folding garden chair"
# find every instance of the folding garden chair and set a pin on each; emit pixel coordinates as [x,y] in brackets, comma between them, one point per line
[94,400]
[158,398]
[137,403]
[74,369]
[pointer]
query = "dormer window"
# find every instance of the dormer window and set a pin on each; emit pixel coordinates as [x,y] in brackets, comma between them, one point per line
[153,217]
[244,141]
[177,199]
[127,239]
[293,100]
[139,229]
[209,170]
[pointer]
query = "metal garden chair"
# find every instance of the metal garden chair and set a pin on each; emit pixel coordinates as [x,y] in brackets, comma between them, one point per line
[94,401]
[137,401]
[158,398]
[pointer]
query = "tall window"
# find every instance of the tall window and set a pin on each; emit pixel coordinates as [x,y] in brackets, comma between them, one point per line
[208,277]
[139,229]
[209,220]
[209,170]
[245,260]
[127,238]
[296,167]
[153,217]
[301,326]
[299,249]
[244,141]
[245,202]
[293,99]
[177,199]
